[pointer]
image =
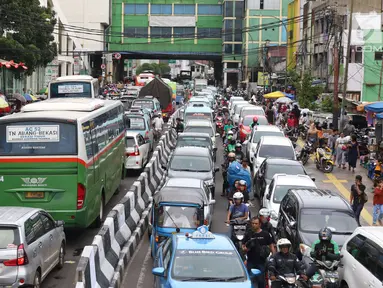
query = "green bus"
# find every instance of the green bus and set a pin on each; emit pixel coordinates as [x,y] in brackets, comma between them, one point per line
[64,155]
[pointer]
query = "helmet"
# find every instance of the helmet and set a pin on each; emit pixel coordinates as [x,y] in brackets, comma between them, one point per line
[238,145]
[231,155]
[325,234]
[237,195]
[264,212]
[242,183]
[230,133]
[255,119]
[159,114]
[283,242]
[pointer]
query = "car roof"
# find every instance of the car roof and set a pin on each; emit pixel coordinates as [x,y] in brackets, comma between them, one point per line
[298,180]
[320,198]
[193,134]
[275,140]
[184,183]
[192,151]
[12,215]
[284,162]
[253,107]
[372,232]
[266,127]
[131,134]
[199,99]
[220,242]
[259,116]
[197,109]
[199,123]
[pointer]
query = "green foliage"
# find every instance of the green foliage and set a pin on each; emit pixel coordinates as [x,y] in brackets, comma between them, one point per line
[29,33]
[306,93]
[159,69]
[327,104]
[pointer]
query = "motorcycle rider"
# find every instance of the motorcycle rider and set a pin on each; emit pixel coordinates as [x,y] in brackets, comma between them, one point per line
[323,249]
[238,151]
[238,210]
[229,134]
[284,262]
[158,124]
[264,216]
[255,122]
[228,126]
[242,188]
[179,125]
[225,185]
[230,147]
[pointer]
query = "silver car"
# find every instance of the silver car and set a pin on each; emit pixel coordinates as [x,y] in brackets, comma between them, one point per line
[31,245]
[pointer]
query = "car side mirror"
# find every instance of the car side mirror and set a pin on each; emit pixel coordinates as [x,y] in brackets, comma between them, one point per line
[216,169]
[60,223]
[164,167]
[215,149]
[313,178]
[158,271]
[217,135]
[293,224]
[212,202]
[268,196]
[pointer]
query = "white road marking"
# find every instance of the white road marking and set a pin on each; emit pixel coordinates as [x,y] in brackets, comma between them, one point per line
[138,248]
[141,277]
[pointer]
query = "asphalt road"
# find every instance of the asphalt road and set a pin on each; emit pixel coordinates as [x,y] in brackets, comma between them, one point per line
[78,239]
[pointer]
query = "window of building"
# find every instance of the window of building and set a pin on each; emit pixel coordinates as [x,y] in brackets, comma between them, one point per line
[261,4]
[229,25]
[237,48]
[184,9]
[356,55]
[209,33]
[160,9]
[204,9]
[136,9]
[239,9]
[183,32]
[238,30]
[136,32]
[229,9]
[160,32]
[228,48]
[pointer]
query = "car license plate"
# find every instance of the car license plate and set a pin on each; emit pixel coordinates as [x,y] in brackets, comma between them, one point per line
[34,195]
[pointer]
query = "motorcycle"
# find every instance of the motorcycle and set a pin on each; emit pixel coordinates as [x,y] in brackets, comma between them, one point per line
[287,280]
[238,232]
[305,153]
[327,276]
[323,160]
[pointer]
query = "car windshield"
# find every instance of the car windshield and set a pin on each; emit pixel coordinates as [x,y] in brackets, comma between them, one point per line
[190,163]
[246,112]
[71,89]
[193,141]
[258,134]
[198,265]
[9,237]
[277,151]
[285,169]
[129,142]
[261,120]
[178,217]
[281,190]
[339,222]
[135,123]
[37,138]
[144,104]
[200,129]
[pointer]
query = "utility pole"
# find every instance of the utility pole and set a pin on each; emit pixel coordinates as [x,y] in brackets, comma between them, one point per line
[336,70]
[346,66]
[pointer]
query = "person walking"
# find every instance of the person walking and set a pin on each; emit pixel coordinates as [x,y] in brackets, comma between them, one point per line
[349,129]
[341,150]
[353,153]
[378,205]
[358,197]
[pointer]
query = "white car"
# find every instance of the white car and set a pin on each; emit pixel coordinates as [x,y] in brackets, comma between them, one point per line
[237,111]
[234,98]
[362,262]
[273,147]
[136,150]
[279,185]
[202,126]
[235,104]
[250,110]
[252,143]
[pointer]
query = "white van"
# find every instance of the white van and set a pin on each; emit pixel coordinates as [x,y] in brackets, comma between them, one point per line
[76,86]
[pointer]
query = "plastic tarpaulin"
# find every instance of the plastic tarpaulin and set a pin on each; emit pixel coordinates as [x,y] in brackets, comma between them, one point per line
[158,89]
[376,107]
[237,172]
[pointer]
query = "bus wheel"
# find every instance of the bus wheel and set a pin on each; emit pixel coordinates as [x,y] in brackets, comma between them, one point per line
[98,221]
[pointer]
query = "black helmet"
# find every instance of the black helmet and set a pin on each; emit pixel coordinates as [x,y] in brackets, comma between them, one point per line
[325,234]
[238,145]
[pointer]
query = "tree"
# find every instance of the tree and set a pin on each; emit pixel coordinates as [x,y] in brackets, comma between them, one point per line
[306,93]
[29,32]
[159,69]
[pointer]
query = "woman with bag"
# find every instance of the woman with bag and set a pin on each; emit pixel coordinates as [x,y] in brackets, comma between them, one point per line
[341,150]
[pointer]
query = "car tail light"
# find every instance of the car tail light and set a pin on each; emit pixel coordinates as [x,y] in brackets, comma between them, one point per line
[81,191]
[136,151]
[21,259]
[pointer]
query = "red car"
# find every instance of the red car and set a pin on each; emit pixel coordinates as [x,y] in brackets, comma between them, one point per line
[244,126]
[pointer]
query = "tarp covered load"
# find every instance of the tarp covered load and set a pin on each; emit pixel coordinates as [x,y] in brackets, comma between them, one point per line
[237,172]
[158,89]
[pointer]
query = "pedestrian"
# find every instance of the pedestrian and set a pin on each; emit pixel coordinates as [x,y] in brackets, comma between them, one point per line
[258,244]
[349,129]
[358,197]
[341,150]
[270,115]
[331,142]
[353,153]
[378,204]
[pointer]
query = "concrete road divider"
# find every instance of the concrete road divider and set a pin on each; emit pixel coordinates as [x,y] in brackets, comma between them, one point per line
[102,264]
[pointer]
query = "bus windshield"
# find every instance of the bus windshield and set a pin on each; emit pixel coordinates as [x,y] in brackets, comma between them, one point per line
[71,89]
[37,138]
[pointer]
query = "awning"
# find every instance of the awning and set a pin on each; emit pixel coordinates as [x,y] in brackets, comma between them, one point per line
[376,107]
[276,94]
[360,107]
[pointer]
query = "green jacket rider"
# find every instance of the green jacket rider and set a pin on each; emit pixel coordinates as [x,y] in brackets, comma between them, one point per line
[231,145]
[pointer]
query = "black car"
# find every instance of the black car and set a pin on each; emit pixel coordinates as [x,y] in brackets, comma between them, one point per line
[303,212]
[196,139]
[272,166]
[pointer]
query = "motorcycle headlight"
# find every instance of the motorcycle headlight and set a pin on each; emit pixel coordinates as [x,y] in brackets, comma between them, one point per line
[290,280]
[240,237]
[274,215]
[209,182]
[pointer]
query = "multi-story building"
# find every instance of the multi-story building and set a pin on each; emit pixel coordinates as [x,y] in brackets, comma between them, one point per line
[295,39]
[265,40]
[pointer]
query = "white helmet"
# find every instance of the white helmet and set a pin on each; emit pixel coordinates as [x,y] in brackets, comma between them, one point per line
[264,212]
[237,195]
[230,133]
[283,242]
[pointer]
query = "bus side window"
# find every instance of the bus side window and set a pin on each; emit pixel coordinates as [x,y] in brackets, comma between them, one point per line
[96,89]
[86,130]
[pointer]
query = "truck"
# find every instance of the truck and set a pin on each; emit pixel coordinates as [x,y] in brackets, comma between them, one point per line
[199,85]
[162,91]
